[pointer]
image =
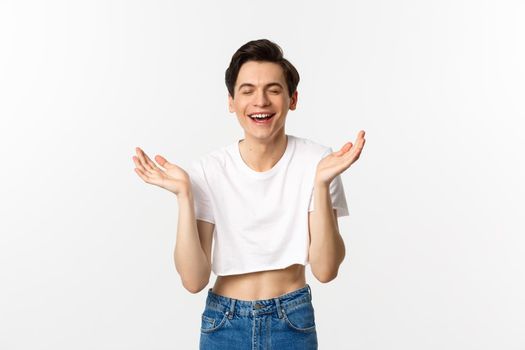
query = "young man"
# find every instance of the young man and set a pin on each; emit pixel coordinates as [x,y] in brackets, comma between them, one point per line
[269,202]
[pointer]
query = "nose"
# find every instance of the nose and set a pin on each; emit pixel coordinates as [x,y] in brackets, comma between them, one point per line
[261,99]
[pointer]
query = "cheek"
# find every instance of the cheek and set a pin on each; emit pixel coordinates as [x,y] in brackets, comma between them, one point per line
[280,104]
[241,106]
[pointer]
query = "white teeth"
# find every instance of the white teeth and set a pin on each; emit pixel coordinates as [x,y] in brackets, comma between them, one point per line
[260,115]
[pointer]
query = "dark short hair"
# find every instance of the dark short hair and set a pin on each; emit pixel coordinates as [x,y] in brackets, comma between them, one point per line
[261,50]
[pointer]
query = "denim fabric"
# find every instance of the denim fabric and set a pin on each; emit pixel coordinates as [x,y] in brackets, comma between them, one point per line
[286,322]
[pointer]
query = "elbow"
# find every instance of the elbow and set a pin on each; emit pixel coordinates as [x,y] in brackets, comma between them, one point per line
[194,287]
[193,290]
[194,282]
[324,274]
[326,277]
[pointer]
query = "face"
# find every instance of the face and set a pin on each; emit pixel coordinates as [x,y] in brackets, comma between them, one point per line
[261,89]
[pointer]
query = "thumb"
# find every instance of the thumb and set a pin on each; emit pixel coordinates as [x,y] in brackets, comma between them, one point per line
[163,162]
[345,148]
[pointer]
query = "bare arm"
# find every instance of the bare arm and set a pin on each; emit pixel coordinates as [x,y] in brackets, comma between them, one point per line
[194,237]
[327,249]
[193,247]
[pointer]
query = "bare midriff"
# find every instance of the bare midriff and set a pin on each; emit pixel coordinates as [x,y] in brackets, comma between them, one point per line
[262,284]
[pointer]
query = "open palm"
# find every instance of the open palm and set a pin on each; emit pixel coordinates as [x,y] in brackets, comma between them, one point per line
[168,175]
[337,162]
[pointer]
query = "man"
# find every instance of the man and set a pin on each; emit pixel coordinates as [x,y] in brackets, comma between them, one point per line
[271,202]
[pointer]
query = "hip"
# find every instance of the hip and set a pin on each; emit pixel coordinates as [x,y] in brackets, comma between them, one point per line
[283,322]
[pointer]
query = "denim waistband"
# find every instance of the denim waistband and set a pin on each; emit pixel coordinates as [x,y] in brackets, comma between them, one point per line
[241,307]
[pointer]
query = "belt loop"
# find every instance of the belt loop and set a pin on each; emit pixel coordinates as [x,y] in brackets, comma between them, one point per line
[309,290]
[278,306]
[230,312]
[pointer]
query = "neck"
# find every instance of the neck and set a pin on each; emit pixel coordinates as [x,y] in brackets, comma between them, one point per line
[262,155]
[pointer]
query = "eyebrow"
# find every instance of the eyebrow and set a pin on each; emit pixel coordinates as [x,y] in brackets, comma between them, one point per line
[267,85]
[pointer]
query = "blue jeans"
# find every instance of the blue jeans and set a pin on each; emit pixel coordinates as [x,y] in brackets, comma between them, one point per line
[285,322]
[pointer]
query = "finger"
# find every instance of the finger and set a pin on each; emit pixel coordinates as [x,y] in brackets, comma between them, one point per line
[345,148]
[142,157]
[138,164]
[149,161]
[353,155]
[360,140]
[162,161]
[142,175]
[360,137]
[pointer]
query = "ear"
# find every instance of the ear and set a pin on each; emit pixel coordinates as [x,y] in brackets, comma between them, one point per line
[293,101]
[230,103]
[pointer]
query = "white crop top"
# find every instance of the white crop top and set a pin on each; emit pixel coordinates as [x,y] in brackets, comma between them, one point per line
[261,218]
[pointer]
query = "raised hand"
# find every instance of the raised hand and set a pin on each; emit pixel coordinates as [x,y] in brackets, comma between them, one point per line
[337,162]
[172,178]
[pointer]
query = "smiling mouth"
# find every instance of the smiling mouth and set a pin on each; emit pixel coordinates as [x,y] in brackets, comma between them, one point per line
[261,117]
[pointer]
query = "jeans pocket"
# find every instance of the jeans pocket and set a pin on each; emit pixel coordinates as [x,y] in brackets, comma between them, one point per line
[300,317]
[212,320]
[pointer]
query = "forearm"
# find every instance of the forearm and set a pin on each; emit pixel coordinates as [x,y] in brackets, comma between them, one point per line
[190,260]
[327,249]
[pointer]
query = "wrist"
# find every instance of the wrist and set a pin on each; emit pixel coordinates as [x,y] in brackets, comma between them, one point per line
[319,183]
[185,194]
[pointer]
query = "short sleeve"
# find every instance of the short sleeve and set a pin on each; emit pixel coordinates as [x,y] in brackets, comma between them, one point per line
[337,193]
[201,194]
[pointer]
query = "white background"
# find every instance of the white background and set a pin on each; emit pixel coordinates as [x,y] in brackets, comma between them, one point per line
[435,240]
